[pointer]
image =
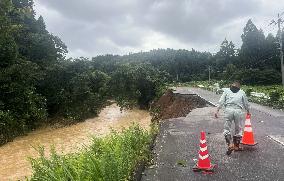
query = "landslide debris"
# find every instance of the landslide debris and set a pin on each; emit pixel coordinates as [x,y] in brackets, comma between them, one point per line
[174,105]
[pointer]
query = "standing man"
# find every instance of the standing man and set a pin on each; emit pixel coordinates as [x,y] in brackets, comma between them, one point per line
[234,100]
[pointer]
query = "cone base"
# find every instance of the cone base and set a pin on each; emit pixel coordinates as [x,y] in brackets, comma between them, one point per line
[249,144]
[198,169]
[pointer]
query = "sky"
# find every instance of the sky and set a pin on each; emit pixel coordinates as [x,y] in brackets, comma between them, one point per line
[97,27]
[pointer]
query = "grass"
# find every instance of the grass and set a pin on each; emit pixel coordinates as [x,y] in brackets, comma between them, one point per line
[182,163]
[110,158]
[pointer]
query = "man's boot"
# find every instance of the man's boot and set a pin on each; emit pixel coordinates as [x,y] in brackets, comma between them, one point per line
[237,140]
[230,145]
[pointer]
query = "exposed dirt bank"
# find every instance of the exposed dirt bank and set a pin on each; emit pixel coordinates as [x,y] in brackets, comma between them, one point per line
[174,105]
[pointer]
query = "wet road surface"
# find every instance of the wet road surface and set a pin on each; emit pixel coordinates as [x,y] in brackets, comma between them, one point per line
[178,142]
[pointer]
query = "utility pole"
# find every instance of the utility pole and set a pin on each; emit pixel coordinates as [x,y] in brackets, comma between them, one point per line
[278,22]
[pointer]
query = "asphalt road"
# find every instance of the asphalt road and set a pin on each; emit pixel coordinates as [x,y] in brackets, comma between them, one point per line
[177,146]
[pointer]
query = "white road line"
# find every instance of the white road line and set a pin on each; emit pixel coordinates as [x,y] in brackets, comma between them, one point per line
[277,138]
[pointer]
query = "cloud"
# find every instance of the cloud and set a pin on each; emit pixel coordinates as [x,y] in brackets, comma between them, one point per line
[196,20]
[92,27]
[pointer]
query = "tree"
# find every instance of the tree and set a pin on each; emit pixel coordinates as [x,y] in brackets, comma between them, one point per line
[24,44]
[226,54]
[41,27]
[8,47]
[252,49]
[34,42]
[136,84]
[271,54]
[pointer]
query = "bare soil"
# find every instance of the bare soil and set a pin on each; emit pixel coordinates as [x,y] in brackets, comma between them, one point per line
[174,105]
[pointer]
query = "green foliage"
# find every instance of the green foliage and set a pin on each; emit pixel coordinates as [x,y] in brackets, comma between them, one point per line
[274,96]
[258,77]
[230,71]
[248,91]
[136,84]
[226,55]
[256,63]
[87,95]
[110,158]
[252,50]
[8,127]
[26,49]
[181,65]
[8,49]
[73,90]
[266,95]
[19,98]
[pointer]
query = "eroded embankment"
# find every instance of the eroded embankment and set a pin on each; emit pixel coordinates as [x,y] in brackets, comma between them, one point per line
[174,105]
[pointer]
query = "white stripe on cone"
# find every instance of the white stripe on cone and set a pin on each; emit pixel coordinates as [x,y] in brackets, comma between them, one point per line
[248,123]
[203,157]
[203,149]
[248,129]
[202,141]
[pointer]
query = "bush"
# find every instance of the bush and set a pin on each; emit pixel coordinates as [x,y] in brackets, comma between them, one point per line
[274,96]
[248,91]
[258,77]
[111,158]
[73,90]
[85,96]
[22,108]
[8,127]
[133,85]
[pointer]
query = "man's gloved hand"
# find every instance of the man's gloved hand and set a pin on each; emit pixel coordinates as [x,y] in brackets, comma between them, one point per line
[216,113]
[248,113]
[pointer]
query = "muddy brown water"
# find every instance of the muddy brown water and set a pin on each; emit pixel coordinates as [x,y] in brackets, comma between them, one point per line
[14,164]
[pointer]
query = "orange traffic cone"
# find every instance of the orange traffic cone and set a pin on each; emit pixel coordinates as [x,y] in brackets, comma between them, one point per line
[204,163]
[248,138]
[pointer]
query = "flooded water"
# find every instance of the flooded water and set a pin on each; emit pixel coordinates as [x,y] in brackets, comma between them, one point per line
[13,156]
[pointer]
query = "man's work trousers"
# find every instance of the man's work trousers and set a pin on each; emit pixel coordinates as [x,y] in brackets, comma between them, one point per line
[233,115]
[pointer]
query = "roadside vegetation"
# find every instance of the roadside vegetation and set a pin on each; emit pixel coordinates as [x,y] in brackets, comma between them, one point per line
[272,95]
[114,157]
